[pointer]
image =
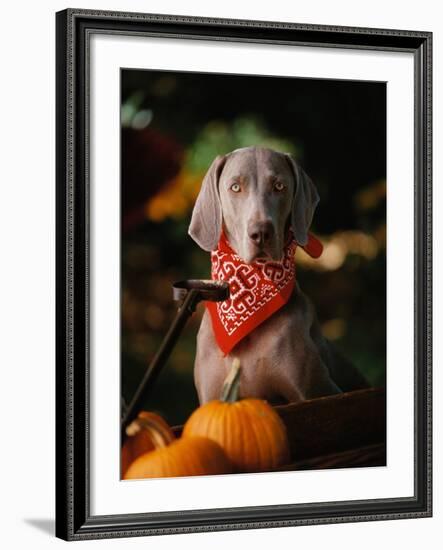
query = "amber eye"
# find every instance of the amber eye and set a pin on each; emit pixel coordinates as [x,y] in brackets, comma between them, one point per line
[235,187]
[278,186]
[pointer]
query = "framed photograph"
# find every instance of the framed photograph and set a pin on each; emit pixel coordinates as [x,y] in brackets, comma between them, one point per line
[243,274]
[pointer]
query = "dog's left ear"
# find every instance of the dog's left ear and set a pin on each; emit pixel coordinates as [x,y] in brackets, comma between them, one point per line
[304,202]
[206,222]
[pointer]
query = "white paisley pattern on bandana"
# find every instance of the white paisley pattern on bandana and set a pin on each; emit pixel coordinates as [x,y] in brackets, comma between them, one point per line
[257,290]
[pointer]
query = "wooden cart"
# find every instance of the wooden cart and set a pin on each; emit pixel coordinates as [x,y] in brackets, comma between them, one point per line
[347,430]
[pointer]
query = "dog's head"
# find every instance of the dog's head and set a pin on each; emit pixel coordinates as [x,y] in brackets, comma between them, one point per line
[255,194]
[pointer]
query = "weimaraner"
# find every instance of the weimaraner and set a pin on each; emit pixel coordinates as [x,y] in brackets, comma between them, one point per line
[255,195]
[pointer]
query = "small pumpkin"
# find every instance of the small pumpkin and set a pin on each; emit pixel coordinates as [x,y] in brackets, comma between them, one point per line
[250,432]
[191,456]
[147,432]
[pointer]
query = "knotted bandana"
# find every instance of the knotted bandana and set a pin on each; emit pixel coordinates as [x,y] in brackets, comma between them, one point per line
[257,290]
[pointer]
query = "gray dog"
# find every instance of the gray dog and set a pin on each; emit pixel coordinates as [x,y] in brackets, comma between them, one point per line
[254,196]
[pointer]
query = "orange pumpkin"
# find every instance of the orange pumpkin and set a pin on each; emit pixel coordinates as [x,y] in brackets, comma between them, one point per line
[147,432]
[193,456]
[250,432]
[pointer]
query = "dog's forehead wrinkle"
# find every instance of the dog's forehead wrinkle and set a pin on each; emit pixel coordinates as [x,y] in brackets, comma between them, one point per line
[272,164]
[241,167]
[256,165]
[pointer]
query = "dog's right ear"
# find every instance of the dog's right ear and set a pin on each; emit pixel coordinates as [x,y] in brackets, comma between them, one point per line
[206,222]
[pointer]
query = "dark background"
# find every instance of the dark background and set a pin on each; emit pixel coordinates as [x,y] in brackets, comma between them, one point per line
[173,125]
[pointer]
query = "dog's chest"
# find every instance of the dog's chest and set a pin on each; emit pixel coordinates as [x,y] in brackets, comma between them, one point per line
[275,344]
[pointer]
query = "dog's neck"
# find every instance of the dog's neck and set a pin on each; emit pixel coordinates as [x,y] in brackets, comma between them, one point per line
[257,290]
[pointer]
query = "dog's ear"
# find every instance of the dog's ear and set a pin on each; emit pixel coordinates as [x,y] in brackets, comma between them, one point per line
[304,202]
[206,222]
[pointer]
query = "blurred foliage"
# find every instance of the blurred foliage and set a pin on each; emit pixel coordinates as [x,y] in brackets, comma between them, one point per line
[219,137]
[173,126]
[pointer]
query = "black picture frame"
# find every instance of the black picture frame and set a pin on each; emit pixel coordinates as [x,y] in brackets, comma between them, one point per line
[73,518]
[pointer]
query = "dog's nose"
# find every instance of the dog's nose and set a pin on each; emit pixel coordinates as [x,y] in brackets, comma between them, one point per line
[260,232]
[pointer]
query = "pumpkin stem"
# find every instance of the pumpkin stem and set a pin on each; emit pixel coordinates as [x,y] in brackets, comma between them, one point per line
[159,438]
[231,385]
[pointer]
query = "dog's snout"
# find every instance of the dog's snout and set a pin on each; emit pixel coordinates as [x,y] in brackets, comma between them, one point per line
[260,232]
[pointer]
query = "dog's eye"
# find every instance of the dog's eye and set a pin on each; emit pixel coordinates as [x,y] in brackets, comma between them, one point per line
[235,187]
[278,186]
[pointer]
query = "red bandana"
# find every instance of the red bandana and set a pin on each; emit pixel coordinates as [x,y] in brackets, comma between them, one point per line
[257,290]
